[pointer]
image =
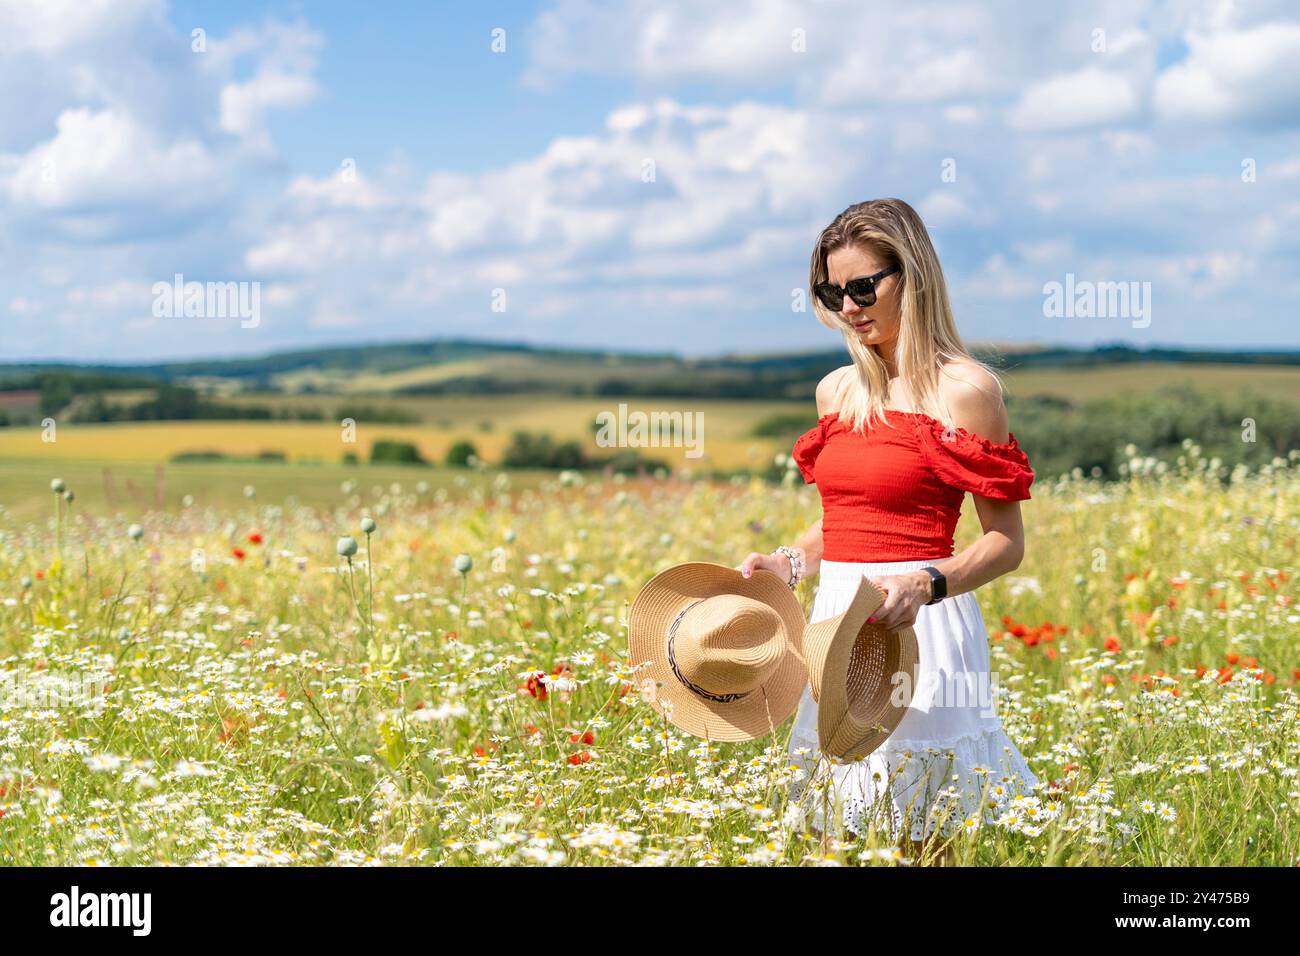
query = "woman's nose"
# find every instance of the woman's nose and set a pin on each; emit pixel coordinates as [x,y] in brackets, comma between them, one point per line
[850,308]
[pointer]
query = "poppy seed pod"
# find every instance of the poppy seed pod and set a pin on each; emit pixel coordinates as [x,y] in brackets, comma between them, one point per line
[346,546]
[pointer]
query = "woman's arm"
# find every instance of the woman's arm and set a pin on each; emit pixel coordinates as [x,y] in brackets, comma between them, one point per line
[976,406]
[811,540]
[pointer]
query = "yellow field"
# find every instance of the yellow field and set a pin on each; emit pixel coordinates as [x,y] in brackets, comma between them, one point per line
[1281,381]
[488,422]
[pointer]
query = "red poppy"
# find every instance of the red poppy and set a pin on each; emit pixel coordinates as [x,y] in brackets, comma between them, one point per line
[535,686]
[238,553]
[254,538]
[580,757]
[1112,644]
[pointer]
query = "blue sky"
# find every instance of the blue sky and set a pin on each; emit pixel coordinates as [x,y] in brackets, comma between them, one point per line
[381,173]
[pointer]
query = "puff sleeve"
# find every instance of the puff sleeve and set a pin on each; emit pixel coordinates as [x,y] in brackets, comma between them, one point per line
[982,467]
[808,446]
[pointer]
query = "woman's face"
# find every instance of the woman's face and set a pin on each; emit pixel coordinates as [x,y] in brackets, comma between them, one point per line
[876,324]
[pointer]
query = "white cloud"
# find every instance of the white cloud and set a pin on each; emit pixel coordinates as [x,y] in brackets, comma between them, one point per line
[1088,97]
[103,159]
[661,41]
[244,105]
[1249,75]
[119,130]
[944,207]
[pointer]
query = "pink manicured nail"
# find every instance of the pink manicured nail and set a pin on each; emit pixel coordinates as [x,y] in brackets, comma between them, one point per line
[871,620]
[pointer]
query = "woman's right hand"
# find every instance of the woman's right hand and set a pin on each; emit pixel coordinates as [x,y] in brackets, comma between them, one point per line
[778,564]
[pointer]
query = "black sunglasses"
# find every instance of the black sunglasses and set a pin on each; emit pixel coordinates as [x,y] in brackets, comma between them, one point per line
[861,290]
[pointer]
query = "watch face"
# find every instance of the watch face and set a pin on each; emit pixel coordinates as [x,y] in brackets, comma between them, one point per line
[939,585]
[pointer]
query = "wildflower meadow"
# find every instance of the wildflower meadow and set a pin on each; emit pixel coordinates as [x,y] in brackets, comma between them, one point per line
[391,674]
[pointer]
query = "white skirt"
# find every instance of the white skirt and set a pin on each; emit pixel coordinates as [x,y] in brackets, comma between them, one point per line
[948,757]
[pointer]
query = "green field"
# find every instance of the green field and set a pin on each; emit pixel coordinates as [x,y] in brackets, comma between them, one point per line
[490,421]
[136,488]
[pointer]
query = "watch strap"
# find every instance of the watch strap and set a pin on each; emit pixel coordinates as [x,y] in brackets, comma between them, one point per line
[938,583]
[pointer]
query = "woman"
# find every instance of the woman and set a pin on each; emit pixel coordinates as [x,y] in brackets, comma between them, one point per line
[903,433]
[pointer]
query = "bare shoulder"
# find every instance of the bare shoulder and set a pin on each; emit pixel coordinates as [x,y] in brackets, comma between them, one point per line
[827,387]
[975,400]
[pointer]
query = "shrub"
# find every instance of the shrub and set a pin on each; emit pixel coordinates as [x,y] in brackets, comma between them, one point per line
[528,450]
[203,455]
[376,414]
[459,454]
[390,451]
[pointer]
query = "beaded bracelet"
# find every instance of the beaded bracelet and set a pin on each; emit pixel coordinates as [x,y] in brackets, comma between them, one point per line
[797,564]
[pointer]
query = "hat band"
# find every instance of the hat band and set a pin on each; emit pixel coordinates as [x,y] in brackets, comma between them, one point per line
[695,688]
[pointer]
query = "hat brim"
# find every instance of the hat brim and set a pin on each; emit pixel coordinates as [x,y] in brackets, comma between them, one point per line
[862,675]
[649,619]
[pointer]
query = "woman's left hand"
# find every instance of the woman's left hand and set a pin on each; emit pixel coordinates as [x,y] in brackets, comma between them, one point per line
[905,595]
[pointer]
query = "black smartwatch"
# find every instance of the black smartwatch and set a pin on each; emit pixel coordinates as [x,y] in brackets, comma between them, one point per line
[938,585]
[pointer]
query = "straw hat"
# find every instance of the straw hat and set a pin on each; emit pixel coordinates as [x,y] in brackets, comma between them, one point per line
[857,673]
[725,651]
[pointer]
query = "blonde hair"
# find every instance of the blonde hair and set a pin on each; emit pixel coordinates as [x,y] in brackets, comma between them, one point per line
[927,338]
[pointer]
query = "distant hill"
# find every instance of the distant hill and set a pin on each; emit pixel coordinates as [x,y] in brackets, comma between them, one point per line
[466,366]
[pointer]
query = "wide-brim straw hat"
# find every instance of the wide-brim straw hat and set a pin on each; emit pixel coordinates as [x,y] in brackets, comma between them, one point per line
[862,676]
[725,651]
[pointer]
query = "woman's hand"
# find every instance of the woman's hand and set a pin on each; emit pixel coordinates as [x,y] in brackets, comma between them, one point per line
[905,595]
[778,564]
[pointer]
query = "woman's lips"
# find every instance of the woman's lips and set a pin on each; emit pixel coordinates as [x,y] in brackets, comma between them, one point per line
[863,325]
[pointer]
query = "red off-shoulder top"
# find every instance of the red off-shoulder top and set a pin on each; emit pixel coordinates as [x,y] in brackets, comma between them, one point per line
[895,493]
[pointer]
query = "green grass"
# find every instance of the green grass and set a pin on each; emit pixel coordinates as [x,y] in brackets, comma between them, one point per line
[133,488]
[226,689]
